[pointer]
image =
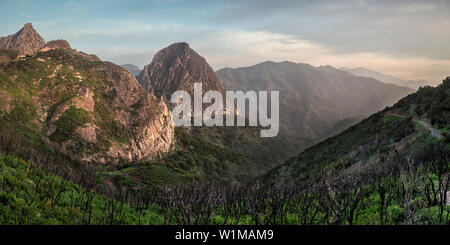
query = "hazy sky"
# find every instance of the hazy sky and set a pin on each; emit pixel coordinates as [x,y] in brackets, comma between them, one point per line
[407,39]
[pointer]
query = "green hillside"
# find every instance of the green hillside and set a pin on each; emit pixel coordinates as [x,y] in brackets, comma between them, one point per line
[30,195]
[396,131]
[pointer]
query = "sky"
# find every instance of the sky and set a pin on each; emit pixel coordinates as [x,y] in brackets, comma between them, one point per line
[406,39]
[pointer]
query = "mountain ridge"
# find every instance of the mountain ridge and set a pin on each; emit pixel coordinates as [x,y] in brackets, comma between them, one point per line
[312,98]
[361,71]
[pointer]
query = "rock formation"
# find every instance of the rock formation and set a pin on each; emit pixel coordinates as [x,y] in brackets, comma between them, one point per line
[26,41]
[178,67]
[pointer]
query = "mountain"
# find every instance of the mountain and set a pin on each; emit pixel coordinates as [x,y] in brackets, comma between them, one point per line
[63,44]
[363,72]
[133,69]
[410,130]
[71,112]
[69,101]
[26,41]
[313,99]
[178,67]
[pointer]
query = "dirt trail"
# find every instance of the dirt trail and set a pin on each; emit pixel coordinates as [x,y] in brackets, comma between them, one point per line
[434,132]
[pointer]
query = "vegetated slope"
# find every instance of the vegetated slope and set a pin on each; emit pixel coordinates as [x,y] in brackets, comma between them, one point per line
[313,99]
[31,195]
[7,55]
[343,125]
[191,161]
[363,72]
[395,132]
[265,152]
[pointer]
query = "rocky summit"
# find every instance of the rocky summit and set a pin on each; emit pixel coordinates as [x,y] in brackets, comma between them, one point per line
[26,41]
[178,67]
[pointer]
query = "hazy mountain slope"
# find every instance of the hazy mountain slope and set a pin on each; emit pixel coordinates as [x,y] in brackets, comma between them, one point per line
[313,99]
[343,124]
[133,69]
[363,72]
[394,133]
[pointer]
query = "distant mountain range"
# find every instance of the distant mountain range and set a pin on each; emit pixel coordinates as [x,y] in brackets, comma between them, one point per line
[314,99]
[133,69]
[363,72]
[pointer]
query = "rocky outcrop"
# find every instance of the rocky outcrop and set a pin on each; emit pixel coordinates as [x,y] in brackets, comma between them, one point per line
[178,67]
[143,117]
[150,125]
[26,41]
[56,44]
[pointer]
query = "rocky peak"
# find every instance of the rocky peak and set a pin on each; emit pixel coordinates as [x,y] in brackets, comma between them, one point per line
[178,67]
[26,41]
[28,26]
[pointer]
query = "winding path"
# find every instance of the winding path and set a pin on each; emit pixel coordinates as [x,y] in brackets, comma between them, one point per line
[434,132]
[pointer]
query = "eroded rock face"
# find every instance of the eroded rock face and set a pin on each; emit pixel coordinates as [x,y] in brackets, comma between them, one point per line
[143,117]
[63,44]
[150,124]
[26,41]
[178,67]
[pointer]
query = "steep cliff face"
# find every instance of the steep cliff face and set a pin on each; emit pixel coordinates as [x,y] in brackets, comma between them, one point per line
[90,110]
[26,41]
[145,117]
[178,67]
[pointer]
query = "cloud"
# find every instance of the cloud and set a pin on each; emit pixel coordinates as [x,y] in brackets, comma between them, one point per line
[396,27]
[242,48]
[138,43]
